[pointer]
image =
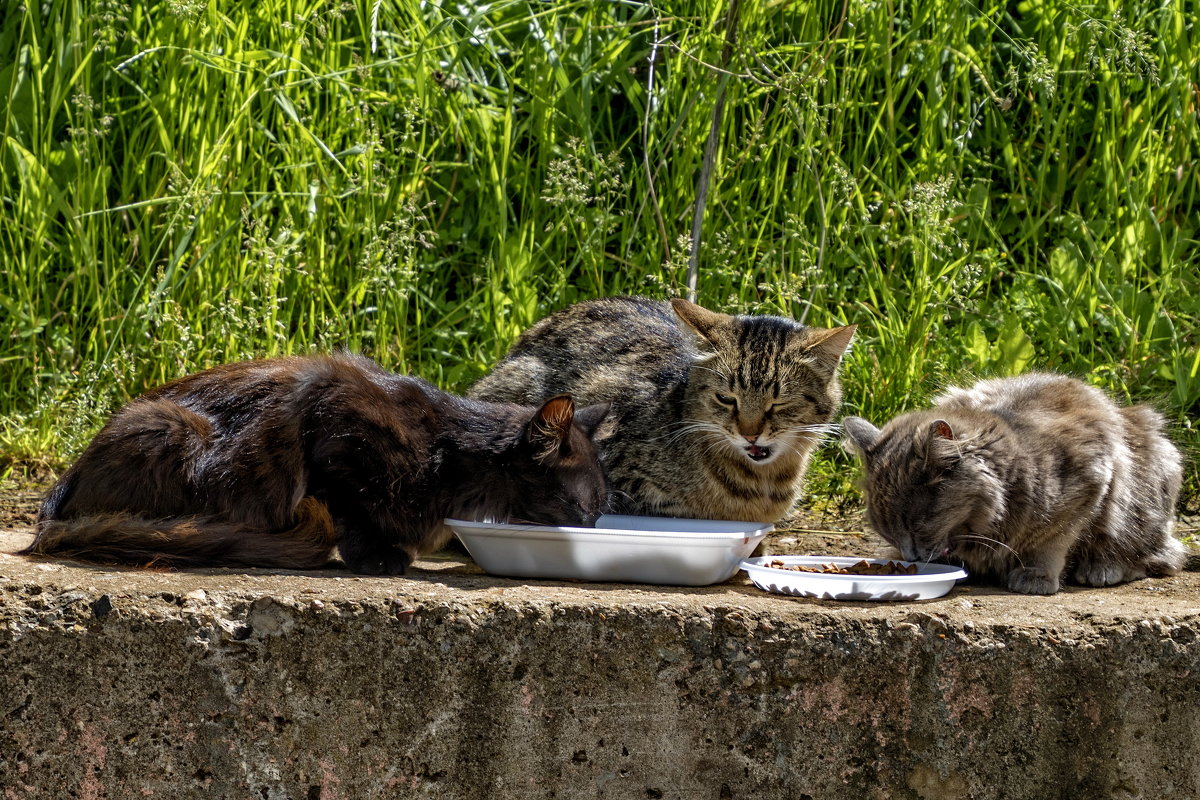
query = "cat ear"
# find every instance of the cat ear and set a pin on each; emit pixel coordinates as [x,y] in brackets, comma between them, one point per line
[861,435]
[934,447]
[830,345]
[590,417]
[698,318]
[550,428]
[941,429]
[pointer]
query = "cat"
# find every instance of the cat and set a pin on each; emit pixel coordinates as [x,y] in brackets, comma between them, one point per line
[274,463]
[713,416]
[1026,479]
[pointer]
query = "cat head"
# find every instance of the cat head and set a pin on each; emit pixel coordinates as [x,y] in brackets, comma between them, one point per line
[760,385]
[932,490]
[558,479]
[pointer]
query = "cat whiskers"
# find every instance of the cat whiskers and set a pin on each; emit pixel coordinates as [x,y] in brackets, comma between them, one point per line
[814,433]
[613,494]
[714,435]
[987,541]
[818,428]
[690,426]
[716,442]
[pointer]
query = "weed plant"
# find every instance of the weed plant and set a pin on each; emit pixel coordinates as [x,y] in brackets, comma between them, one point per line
[983,188]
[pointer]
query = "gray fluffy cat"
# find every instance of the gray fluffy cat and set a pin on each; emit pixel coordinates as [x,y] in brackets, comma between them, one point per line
[1025,479]
[713,416]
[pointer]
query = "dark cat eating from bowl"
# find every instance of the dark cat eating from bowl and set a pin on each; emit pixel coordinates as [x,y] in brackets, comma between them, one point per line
[275,463]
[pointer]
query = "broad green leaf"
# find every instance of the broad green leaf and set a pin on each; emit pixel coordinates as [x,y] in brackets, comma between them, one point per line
[978,346]
[1015,348]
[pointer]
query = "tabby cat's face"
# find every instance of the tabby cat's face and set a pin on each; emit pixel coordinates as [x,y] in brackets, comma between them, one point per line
[761,386]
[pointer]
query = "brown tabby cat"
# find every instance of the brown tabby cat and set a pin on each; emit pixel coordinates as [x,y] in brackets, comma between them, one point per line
[274,463]
[713,416]
[1026,479]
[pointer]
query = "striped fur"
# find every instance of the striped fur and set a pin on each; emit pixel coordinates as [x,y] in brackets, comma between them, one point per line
[713,416]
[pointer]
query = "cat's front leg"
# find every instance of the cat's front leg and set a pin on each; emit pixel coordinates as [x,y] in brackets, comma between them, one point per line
[367,555]
[1040,570]
[1033,580]
[1105,573]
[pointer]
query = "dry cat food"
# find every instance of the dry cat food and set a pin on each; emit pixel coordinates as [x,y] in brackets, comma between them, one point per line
[863,567]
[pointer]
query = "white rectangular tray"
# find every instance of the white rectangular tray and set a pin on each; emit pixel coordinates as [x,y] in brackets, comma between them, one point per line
[663,550]
[931,580]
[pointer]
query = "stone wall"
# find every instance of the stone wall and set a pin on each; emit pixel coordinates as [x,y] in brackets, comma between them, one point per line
[448,684]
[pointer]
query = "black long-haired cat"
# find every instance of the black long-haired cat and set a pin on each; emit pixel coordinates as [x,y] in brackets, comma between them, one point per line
[274,463]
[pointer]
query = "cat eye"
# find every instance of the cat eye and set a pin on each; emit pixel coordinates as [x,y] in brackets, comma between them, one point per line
[726,399]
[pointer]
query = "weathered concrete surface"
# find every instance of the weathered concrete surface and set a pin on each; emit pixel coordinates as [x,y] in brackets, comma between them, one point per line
[120,683]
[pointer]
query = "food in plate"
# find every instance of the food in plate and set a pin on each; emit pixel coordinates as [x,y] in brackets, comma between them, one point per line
[861,567]
[811,576]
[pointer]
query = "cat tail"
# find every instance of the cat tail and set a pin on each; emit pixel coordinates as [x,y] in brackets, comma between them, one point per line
[122,538]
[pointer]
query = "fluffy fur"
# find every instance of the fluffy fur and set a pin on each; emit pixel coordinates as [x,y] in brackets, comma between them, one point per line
[1027,479]
[713,416]
[274,463]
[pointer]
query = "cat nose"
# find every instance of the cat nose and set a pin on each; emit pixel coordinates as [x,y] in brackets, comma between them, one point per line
[750,437]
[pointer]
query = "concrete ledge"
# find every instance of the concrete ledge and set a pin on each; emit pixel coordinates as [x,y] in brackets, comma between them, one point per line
[450,684]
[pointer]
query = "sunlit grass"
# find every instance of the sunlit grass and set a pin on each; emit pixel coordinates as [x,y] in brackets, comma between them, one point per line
[983,188]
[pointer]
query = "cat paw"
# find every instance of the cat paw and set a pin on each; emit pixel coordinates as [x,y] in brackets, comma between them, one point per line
[1100,574]
[1032,580]
[390,562]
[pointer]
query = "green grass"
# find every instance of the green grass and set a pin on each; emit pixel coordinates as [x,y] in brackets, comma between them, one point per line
[982,188]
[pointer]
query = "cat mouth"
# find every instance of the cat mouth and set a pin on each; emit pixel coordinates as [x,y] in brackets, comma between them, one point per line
[756,453]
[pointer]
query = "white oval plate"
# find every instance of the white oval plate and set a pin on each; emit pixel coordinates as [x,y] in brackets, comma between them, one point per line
[931,580]
[662,550]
